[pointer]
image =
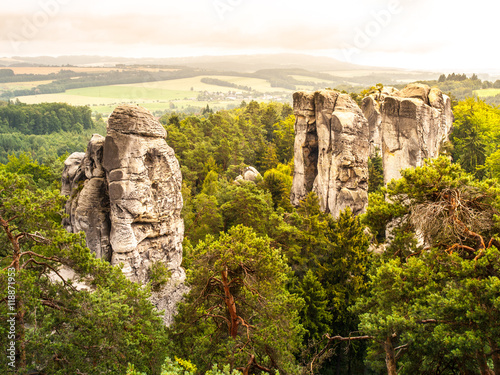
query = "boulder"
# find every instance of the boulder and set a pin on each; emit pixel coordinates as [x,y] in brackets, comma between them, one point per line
[248,174]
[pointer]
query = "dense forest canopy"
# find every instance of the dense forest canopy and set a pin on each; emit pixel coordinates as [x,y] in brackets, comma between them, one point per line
[273,287]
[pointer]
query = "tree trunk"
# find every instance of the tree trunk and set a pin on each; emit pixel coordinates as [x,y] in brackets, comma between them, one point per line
[483,365]
[495,356]
[390,358]
[16,251]
[231,305]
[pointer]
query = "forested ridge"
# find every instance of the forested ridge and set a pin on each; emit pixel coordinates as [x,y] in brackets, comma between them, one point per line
[273,287]
[45,131]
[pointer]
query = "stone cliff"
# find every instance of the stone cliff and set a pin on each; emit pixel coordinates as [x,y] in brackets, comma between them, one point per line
[331,151]
[334,139]
[407,126]
[125,194]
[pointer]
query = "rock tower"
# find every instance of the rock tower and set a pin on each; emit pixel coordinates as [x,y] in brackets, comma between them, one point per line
[334,139]
[125,194]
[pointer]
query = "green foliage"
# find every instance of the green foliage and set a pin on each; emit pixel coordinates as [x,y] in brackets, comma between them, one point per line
[182,367]
[315,316]
[375,172]
[341,265]
[21,133]
[220,82]
[246,204]
[278,181]
[238,310]
[45,118]
[432,299]
[60,328]
[260,135]
[158,275]
[42,175]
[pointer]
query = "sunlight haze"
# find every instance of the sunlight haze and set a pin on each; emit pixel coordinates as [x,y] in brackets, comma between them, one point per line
[426,34]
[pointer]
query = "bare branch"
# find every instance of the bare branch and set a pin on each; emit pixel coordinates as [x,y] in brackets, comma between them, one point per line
[55,259]
[31,260]
[340,338]
[50,303]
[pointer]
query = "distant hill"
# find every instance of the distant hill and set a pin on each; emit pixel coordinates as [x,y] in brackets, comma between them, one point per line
[239,63]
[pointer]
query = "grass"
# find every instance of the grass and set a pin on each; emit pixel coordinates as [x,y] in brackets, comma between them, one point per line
[487,92]
[257,84]
[163,95]
[65,98]
[132,92]
[20,85]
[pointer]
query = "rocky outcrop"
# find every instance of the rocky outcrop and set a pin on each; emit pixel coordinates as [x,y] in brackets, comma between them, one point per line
[125,194]
[248,174]
[334,139]
[331,151]
[407,126]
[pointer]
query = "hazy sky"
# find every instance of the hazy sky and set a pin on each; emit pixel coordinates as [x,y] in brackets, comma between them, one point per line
[415,34]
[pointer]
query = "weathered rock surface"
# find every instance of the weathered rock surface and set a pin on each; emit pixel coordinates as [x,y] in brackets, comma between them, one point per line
[334,139]
[125,194]
[248,174]
[407,126]
[331,151]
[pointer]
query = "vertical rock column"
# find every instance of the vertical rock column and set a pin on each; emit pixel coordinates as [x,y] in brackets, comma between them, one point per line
[144,182]
[305,146]
[331,151]
[125,194]
[408,126]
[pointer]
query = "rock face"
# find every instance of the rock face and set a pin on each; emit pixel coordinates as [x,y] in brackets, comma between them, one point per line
[331,151]
[407,126]
[125,194]
[334,139]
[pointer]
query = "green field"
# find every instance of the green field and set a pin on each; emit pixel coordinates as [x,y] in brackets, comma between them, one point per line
[21,85]
[487,92]
[185,84]
[175,94]
[132,92]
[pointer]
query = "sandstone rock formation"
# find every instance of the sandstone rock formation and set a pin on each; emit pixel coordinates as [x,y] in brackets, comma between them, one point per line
[125,194]
[334,139]
[248,174]
[407,126]
[331,151]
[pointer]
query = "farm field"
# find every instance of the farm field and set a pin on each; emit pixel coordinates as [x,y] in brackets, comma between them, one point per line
[487,92]
[257,84]
[175,94]
[21,85]
[131,92]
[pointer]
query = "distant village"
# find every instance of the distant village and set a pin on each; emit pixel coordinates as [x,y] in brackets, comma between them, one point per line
[283,97]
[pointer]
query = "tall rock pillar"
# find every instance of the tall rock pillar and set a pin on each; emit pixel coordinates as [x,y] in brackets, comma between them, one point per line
[331,151]
[125,194]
